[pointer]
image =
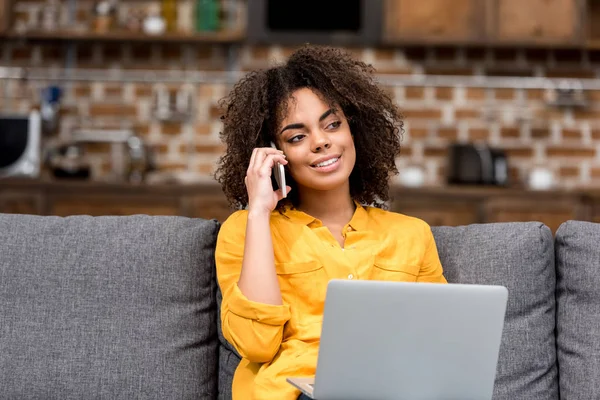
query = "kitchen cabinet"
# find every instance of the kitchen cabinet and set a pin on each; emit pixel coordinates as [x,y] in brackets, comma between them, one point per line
[433,20]
[537,21]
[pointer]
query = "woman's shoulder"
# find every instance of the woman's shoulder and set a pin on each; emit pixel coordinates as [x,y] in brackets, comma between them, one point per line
[390,220]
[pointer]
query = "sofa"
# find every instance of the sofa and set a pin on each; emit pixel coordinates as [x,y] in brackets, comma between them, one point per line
[128,307]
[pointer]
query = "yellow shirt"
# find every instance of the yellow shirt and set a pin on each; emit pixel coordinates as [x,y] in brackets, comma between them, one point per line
[279,341]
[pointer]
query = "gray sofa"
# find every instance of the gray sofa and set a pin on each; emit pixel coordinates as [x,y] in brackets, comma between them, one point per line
[127,307]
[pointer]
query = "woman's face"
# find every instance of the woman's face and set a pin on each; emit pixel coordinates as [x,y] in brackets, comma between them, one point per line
[317,142]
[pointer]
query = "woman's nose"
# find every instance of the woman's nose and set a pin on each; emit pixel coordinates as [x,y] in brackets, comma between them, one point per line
[321,142]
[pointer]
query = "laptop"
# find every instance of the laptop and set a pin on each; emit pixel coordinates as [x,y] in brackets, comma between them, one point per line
[399,340]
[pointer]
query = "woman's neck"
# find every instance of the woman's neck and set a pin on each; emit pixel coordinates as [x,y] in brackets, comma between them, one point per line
[331,206]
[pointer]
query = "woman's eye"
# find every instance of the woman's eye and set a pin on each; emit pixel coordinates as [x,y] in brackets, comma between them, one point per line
[335,124]
[295,138]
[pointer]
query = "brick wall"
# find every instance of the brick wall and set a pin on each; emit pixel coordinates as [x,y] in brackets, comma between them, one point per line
[498,96]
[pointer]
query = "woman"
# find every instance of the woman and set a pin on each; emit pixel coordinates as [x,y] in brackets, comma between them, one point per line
[338,135]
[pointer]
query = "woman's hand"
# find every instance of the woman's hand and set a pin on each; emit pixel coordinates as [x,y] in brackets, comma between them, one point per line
[261,196]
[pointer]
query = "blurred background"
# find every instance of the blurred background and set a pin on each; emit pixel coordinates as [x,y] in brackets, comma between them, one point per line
[111,107]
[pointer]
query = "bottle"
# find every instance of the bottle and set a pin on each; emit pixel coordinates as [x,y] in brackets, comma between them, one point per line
[169,14]
[207,15]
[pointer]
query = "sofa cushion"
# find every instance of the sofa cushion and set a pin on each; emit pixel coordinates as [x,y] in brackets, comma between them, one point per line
[519,256]
[578,309]
[107,307]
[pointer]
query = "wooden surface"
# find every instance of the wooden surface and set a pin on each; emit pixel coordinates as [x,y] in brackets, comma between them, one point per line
[450,206]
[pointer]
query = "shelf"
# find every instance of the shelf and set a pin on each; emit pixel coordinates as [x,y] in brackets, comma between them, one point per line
[67,35]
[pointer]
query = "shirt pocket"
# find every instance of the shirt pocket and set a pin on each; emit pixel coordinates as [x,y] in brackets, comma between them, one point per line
[303,286]
[385,270]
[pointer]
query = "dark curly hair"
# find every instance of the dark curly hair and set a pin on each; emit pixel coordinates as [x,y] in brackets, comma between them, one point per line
[257,104]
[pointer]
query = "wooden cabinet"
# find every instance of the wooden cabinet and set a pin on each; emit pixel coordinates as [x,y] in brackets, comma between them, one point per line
[550,211]
[433,20]
[20,202]
[537,21]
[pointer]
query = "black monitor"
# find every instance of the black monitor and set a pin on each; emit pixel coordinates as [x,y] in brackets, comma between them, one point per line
[328,22]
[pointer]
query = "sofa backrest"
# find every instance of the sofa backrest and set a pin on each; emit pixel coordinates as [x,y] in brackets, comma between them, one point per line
[107,307]
[519,256]
[578,312]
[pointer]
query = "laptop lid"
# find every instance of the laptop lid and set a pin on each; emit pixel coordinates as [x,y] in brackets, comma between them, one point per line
[397,340]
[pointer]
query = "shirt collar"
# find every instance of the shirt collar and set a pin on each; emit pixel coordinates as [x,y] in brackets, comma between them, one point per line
[358,222]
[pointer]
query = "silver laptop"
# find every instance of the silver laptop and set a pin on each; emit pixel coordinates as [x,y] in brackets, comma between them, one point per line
[398,340]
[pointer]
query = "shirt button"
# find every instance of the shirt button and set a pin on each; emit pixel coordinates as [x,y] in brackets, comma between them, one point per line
[349,229]
[350,276]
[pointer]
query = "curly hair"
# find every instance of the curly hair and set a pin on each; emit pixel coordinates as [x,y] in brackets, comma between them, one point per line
[257,104]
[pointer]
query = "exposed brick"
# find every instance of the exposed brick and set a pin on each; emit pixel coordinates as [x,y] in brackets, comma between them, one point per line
[215,111]
[535,94]
[510,132]
[536,55]
[287,51]
[207,169]
[435,151]
[508,71]
[394,70]
[571,134]
[112,110]
[21,53]
[406,151]
[260,53]
[475,93]
[141,52]
[213,149]
[171,166]
[505,55]
[586,114]
[504,94]
[592,95]
[596,134]
[142,129]
[204,52]
[570,73]
[521,152]
[467,114]
[161,148]
[53,53]
[203,129]
[171,128]
[206,92]
[384,54]
[82,90]
[444,93]
[439,70]
[570,152]
[418,133]
[113,91]
[540,133]
[96,148]
[142,90]
[112,52]
[414,92]
[422,113]
[171,52]
[479,134]
[568,172]
[595,172]
[447,133]
[475,54]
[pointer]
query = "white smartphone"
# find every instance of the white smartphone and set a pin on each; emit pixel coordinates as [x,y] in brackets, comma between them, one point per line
[279,173]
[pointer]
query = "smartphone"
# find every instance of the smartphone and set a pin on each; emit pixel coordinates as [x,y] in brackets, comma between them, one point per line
[279,174]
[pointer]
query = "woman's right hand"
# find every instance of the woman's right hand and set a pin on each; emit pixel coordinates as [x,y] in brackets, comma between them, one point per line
[261,196]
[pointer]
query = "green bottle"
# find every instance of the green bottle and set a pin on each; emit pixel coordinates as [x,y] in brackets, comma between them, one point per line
[207,15]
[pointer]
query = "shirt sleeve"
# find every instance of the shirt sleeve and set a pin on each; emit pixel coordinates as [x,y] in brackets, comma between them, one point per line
[254,329]
[431,267]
